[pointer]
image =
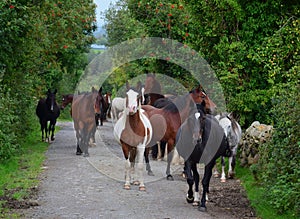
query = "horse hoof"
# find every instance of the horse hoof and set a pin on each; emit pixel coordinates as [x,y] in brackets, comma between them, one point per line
[170,177]
[142,188]
[136,183]
[216,175]
[86,155]
[202,209]
[190,200]
[150,173]
[127,187]
[196,203]
[223,180]
[78,153]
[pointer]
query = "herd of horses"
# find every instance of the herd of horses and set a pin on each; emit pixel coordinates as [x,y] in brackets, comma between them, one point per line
[145,117]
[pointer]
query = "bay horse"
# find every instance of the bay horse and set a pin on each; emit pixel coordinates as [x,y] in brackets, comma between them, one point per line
[133,131]
[200,139]
[167,120]
[66,100]
[233,133]
[83,114]
[48,110]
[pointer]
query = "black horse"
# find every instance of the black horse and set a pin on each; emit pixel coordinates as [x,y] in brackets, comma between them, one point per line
[48,110]
[200,139]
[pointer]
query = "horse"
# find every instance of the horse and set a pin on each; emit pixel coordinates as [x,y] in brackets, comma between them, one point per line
[200,139]
[48,110]
[107,98]
[233,133]
[101,106]
[117,106]
[133,131]
[83,114]
[152,90]
[66,100]
[167,120]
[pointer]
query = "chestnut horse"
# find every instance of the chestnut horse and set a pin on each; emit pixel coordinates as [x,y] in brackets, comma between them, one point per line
[167,120]
[200,139]
[133,131]
[48,110]
[83,114]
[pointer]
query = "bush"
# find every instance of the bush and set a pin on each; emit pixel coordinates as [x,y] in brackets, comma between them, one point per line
[279,159]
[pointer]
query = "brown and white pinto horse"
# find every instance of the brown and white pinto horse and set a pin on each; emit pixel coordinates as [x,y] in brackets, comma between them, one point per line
[167,120]
[133,131]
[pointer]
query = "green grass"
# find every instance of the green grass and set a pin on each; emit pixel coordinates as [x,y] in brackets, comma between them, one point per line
[257,196]
[19,175]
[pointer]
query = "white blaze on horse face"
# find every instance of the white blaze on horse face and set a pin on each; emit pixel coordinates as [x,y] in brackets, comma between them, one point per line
[197,115]
[132,103]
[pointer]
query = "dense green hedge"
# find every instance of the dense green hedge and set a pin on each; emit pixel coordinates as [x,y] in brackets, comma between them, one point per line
[279,159]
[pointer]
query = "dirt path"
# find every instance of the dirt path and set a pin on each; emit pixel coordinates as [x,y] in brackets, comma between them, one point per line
[77,187]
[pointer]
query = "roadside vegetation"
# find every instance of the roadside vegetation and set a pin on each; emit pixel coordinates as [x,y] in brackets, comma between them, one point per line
[253,47]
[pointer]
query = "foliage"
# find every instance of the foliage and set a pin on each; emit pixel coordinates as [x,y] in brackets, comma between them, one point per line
[43,44]
[279,163]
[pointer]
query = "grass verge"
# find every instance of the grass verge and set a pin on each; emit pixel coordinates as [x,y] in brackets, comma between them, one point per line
[257,196]
[20,176]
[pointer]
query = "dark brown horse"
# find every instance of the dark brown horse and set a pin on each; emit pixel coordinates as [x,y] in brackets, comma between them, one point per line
[83,114]
[152,89]
[48,110]
[101,106]
[133,131]
[167,120]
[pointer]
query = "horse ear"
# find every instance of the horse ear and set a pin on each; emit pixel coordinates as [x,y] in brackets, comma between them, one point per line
[93,90]
[49,91]
[55,91]
[100,90]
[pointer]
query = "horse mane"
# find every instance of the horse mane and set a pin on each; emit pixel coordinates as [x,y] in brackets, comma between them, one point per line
[177,105]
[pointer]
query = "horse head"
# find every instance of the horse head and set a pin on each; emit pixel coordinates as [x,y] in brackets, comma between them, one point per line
[66,99]
[133,98]
[199,95]
[51,100]
[232,129]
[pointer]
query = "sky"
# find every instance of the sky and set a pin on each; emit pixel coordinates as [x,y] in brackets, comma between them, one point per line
[102,5]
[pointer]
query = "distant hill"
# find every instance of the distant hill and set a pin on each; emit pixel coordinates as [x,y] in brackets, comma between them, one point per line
[99,32]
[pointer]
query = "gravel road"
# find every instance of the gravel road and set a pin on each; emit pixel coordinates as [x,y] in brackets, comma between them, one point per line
[77,187]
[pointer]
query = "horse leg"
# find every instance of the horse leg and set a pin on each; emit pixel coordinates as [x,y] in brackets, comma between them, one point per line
[223,175]
[42,128]
[196,181]
[169,160]
[231,172]
[163,148]
[190,181]
[52,125]
[154,151]
[148,167]
[205,185]
[216,173]
[140,166]
[125,150]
